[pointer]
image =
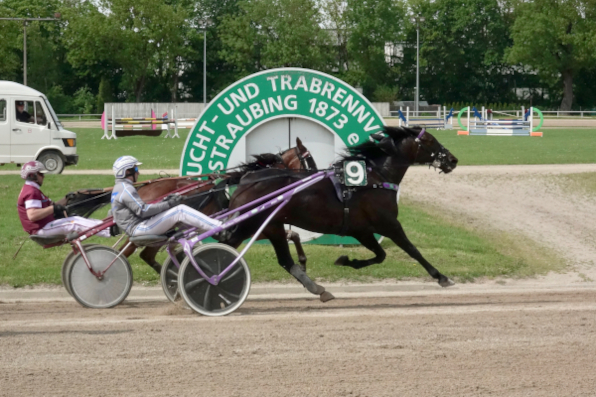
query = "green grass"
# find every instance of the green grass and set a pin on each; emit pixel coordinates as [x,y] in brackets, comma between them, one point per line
[154,152]
[558,146]
[446,241]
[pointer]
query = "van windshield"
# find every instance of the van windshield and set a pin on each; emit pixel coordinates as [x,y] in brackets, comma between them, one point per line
[53,114]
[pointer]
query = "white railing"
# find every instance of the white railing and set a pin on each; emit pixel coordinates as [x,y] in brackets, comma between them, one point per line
[82,117]
[569,113]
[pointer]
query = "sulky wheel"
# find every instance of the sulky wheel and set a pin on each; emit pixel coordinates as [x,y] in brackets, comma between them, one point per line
[66,264]
[214,300]
[111,289]
[169,276]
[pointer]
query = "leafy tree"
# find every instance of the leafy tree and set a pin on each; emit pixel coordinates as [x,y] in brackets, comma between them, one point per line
[462,45]
[373,23]
[384,93]
[61,102]
[83,101]
[557,38]
[265,34]
[104,95]
[139,37]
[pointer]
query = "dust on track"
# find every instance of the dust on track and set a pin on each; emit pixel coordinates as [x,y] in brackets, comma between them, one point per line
[515,344]
[428,343]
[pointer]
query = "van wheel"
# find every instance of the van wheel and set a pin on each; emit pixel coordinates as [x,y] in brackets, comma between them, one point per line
[53,162]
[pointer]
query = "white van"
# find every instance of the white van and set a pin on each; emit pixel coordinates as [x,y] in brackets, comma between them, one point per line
[30,130]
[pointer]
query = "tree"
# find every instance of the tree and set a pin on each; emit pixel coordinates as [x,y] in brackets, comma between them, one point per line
[373,24]
[557,38]
[462,45]
[266,34]
[141,38]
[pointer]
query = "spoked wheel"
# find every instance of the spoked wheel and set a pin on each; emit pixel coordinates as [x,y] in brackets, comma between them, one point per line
[66,267]
[214,300]
[108,291]
[169,276]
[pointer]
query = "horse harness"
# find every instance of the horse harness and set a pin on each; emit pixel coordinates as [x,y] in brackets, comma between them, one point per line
[344,193]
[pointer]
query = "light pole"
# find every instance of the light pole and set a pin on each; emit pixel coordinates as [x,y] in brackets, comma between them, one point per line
[25,21]
[417,20]
[205,24]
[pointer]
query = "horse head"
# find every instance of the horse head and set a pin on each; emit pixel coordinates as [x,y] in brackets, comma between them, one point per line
[419,145]
[298,157]
[85,202]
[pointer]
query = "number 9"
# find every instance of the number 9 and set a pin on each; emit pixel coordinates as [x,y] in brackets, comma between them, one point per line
[355,173]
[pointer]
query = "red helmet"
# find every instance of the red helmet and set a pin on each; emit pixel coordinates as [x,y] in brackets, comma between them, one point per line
[32,167]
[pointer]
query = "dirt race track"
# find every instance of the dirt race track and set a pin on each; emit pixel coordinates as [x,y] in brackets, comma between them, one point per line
[526,338]
[444,344]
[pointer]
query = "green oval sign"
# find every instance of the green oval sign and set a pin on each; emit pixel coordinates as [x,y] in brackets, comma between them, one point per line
[272,94]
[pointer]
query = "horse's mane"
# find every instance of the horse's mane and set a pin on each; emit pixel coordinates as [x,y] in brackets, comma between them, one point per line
[261,161]
[371,150]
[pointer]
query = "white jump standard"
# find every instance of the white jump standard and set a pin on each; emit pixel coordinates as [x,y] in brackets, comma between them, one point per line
[479,125]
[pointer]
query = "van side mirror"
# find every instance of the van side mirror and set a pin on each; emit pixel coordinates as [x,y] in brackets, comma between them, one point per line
[49,126]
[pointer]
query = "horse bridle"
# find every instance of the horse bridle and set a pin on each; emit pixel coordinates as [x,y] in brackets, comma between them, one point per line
[302,158]
[439,157]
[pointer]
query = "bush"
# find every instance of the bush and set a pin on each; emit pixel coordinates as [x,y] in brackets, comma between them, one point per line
[385,93]
[61,102]
[84,101]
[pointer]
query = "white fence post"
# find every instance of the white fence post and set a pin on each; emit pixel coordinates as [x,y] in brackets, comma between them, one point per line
[113,124]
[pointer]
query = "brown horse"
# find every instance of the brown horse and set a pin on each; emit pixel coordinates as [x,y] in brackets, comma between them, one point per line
[371,209]
[208,197]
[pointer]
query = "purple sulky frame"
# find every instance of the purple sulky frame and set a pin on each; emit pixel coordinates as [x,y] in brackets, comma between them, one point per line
[278,198]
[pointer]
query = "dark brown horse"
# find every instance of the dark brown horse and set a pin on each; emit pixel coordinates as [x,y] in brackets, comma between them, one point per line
[209,197]
[371,209]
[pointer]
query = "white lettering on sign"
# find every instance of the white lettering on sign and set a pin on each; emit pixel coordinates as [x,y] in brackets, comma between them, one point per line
[272,80]
[285,82]
[327,88]
[355,172]
[248,118]
[256,110]
[255,90]
[217,166]
[315,85]
[277,105]
[245,104]
[291,104]
[223,142]
[353,139]
[301,84]
[339,95]
[205,128]
[233,129]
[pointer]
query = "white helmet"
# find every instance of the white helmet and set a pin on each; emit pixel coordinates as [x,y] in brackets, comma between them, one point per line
[32,167]
[122,164]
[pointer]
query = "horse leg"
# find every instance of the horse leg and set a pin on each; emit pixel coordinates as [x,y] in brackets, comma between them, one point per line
[399,237]
[148,255]
[370,242]
[295,237]
[277,235]
[129,250]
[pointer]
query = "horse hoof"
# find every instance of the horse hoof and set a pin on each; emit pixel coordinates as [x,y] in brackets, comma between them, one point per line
[302,267]
[342,261]
[446,282]
[320,290]
[326,296]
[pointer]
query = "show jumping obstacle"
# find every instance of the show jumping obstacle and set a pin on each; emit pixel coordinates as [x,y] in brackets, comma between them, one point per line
[442,120]
[114,128]
[479,124]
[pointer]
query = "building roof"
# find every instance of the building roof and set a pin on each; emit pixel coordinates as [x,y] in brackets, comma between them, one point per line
[12,88]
